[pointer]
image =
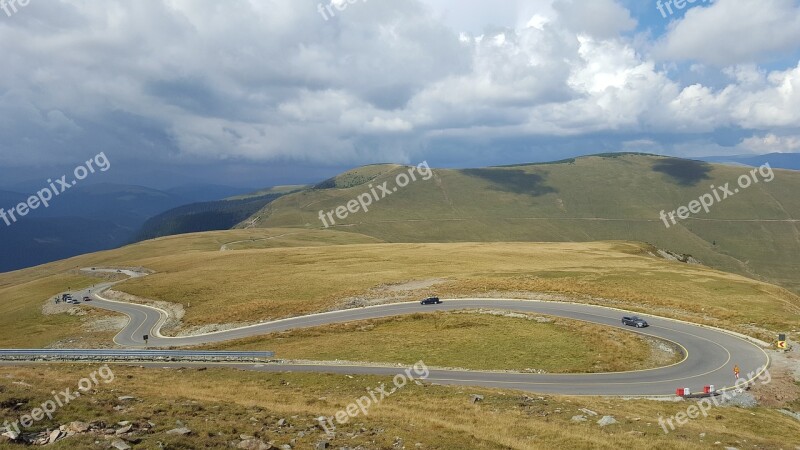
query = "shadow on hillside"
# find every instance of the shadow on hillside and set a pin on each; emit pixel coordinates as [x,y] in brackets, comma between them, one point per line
[516,181]
[685,172]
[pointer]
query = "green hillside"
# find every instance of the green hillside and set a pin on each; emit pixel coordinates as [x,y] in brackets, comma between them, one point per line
[755,232]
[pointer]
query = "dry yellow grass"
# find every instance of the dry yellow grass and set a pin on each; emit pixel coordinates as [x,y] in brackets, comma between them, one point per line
[311,271]
[469,341]
[250,285]
[22,293]
[219,405]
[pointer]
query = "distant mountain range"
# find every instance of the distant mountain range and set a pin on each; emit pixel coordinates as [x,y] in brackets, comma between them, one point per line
[209,216]
[88,218]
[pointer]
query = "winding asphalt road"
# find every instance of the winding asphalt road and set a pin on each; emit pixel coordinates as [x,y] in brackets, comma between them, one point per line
[709,354]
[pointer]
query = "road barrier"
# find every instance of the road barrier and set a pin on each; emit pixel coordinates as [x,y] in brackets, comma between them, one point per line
[132,355]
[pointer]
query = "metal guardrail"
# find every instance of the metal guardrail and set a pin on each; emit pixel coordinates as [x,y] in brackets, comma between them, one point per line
[129,355]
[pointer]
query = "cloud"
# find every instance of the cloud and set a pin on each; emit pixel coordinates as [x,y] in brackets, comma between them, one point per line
[730,32]
[771,143]
[597,18]
[203,81]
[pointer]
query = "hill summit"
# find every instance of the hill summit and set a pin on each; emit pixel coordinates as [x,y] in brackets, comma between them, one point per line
[754,230]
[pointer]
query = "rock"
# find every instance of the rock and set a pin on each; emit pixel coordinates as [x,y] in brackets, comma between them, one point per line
[246,437]
[126,398]
[11,435]
[324,425]
[255,444]
[125,429]
[182,431]
[124,423]
[588,412]
[119,444]
[578,419]
[607,420]
[321,445]
[475,398]
[78,427]
[286,447]
[282,422]
[54,436]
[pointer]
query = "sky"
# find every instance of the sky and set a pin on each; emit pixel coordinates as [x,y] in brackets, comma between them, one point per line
[266,92]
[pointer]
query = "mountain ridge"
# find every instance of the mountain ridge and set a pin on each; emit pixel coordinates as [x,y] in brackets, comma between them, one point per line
[596,197]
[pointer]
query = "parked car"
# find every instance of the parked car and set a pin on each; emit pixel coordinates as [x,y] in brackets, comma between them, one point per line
[634,321]
[87,299]
[431,301]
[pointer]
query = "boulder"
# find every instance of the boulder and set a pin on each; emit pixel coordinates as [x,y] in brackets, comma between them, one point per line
[255,444]
[182,431]
[606,421]
[119,444]
[78,427]
[54,436]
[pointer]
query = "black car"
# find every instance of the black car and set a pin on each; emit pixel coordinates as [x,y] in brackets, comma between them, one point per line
[634,321]
[431,301]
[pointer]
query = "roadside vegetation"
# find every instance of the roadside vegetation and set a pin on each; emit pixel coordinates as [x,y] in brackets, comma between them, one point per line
[472,341]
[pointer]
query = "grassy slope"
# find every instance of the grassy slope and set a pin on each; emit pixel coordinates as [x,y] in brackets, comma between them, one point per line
[294,278]
[469,341]
[219,405]
[285,282]
[273,190]
[23,292]
[562,202]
